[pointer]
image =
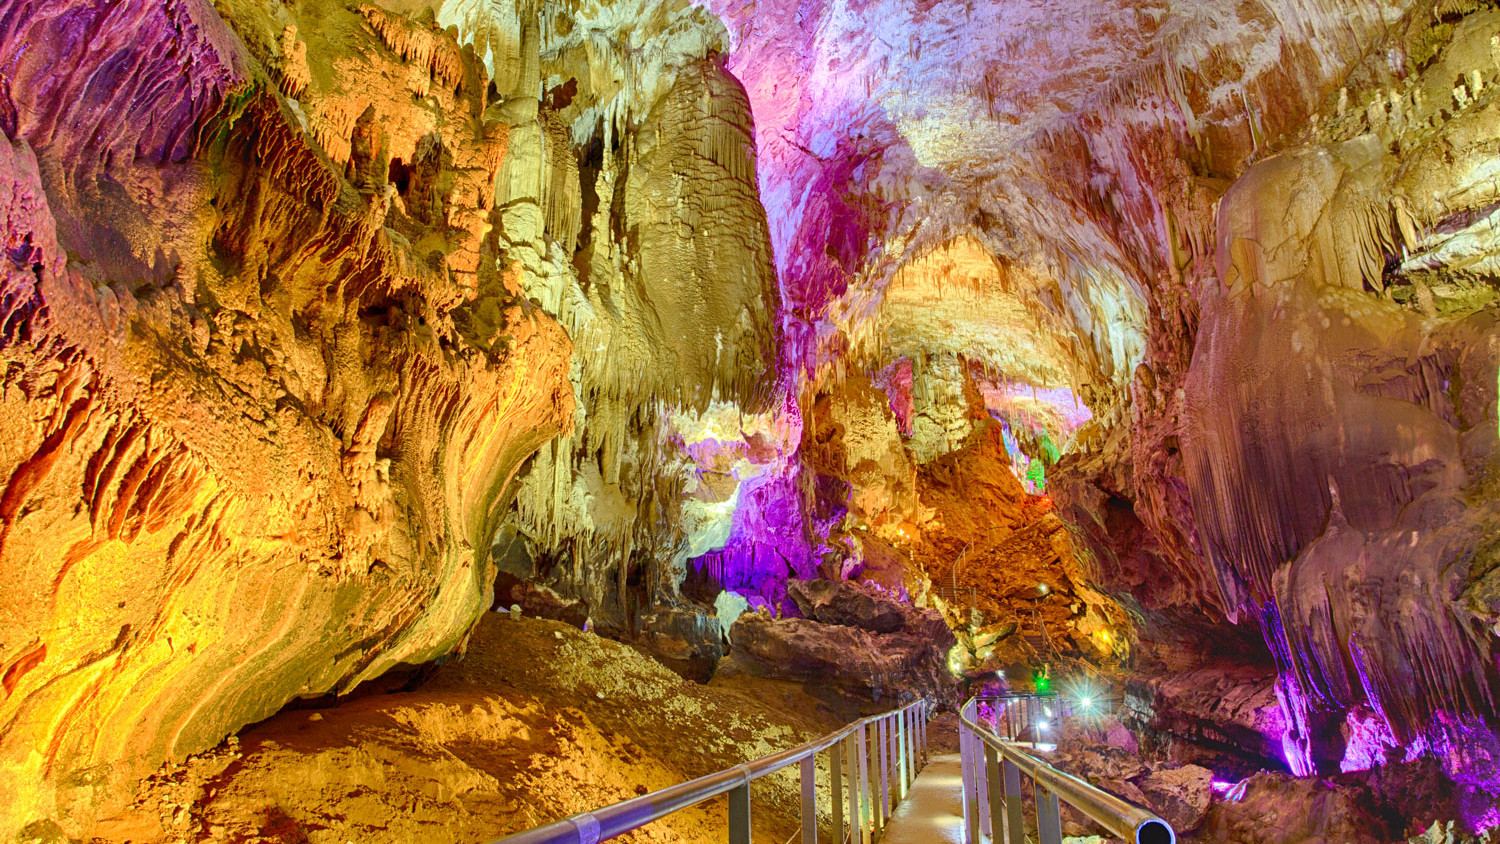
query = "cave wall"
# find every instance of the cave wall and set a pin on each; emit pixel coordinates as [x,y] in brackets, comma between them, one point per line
[1342,483]
[318,317]
[1306,453]
[1319,464]
[277,341]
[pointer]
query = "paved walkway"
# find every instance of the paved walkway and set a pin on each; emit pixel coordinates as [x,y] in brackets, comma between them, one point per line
[933,812]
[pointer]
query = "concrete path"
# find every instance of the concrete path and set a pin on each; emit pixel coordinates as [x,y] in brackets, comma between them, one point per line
[933,812]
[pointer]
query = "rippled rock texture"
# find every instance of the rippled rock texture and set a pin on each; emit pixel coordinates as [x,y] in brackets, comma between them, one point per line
[1340,425]
[272,360]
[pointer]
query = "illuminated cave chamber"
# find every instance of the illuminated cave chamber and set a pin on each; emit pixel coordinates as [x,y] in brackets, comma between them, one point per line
[465,390]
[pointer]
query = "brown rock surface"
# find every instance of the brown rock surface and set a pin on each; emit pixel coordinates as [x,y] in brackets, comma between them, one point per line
[833,659]
[992,549]
[536,722]
[847,603]
[1180,795]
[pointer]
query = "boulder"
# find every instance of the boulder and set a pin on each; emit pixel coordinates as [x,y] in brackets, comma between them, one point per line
[686,641]
[842,658]
[847,603]
[1180,795]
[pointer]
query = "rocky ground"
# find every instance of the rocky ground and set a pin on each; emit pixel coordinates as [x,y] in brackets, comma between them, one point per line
[537,721]
[1266,807]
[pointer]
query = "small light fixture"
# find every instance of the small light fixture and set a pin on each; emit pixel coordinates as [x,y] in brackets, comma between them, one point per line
[1042,588]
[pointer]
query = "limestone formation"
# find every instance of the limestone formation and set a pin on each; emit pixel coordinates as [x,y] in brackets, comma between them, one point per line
[258,441]
[881,349]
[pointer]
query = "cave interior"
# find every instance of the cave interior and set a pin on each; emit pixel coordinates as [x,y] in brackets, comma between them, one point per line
[422,420]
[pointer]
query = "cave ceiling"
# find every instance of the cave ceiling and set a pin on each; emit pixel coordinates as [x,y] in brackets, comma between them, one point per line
[946,137]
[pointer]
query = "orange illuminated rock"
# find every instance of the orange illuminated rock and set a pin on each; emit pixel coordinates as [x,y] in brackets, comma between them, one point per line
[260,423]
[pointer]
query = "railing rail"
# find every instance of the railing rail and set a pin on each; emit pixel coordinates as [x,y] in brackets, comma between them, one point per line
[872,761]
[992,769]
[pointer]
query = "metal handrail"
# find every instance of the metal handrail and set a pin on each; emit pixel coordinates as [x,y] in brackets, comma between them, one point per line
[999,780]
[1022,712]
[873,760]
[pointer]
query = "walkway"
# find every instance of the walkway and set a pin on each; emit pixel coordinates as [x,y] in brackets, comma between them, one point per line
[932,812]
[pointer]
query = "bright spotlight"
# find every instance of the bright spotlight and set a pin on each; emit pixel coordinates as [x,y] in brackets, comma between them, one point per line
[1086,702]
[1041,725]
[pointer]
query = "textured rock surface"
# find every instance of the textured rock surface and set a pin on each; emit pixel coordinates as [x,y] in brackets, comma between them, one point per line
[270,367]
[1155,340]
[846,603]
[260,424]
[857,644]
[537,722]
[652,248]
[1179,795]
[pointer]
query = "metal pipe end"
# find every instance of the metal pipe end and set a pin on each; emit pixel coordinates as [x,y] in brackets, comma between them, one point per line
[1155,831]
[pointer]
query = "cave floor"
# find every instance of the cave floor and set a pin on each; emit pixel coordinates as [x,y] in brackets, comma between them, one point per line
[538,720]
[932,812]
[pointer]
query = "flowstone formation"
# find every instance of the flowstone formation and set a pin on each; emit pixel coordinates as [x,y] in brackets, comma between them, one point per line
[262,405]
[276,344]
[1351,310]
[630,211]
[1253,239]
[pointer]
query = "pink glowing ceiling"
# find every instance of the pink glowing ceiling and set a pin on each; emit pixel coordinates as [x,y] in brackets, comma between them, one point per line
[892,128]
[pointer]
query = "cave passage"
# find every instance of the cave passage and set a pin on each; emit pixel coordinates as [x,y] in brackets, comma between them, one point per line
[426,420]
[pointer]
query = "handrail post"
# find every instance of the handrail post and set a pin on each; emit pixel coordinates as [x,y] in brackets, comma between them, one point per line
[1015,822]
[893,746]
[892,761]
[996,794]
[1048,816]
[898,764]
[872,777]
[856,818]
[836,787]
[922,732]
[739,814]
[902,784]
[911,745]
[966,739]
[810,800]
[882,753]
[982,786]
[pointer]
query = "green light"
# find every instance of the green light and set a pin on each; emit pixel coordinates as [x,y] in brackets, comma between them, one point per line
[1042,681]
[1037,474]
